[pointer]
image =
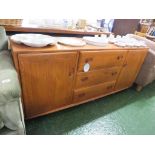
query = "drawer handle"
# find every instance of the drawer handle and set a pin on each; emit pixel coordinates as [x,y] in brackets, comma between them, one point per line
[88,60]
[124,65]
[110,87]
[81,95]
[84,79]
[113,73]
[119,57]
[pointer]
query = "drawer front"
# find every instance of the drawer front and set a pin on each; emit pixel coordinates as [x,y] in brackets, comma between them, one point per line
[101,59]
[96,77]
[94,91]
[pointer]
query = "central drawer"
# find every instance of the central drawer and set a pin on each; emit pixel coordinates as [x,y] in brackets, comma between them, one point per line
[96,77]
[101,59]
[93,92]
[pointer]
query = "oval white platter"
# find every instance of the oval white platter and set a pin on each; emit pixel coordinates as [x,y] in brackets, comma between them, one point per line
[34,40]
[70,41]
[86,67]
[97,41]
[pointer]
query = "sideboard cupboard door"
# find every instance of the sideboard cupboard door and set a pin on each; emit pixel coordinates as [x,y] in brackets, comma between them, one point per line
[47,81]
[130,69]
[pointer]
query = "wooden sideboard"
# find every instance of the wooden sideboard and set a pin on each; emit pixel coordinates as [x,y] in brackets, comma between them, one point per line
[53,78]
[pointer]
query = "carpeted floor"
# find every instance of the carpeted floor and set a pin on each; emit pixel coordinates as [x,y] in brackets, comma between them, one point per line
[127,112]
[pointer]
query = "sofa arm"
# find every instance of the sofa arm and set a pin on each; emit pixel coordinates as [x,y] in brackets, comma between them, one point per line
[11,114]
[3,39]
[6,60]
[9,86]
[9,83]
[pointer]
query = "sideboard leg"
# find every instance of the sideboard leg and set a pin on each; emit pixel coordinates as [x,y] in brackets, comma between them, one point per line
[139,88]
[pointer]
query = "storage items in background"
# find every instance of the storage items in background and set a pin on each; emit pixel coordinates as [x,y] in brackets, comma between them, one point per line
[15,22]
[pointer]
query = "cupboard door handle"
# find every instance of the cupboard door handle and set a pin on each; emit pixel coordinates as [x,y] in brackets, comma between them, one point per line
[71,72]
[88,60]
[81,95]
[84,79]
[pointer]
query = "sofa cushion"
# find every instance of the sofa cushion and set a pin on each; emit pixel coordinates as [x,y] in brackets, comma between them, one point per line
[3,39]
[9,83]
[9,86]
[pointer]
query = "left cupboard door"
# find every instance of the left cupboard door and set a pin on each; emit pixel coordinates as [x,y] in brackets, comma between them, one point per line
[47,81]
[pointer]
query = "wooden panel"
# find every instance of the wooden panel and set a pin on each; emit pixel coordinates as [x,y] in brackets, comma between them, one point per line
[130,68]
[13,22]
[96,77]
[101,59]
[94,91]
[47,81]
[19,28]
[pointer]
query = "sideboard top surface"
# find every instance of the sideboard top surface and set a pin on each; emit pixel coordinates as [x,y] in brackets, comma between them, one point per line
[20,48]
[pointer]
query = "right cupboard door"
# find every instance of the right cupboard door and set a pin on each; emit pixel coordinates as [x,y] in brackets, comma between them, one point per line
[130,68]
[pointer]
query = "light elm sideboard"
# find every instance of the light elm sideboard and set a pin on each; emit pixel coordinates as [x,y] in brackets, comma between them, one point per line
[53,78]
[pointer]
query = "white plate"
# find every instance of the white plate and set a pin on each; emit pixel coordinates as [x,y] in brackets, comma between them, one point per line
[71,41]
[18,38]
[112,40]
[97,41]
[129,42]
[149,36]
[120,44]
[34,40]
